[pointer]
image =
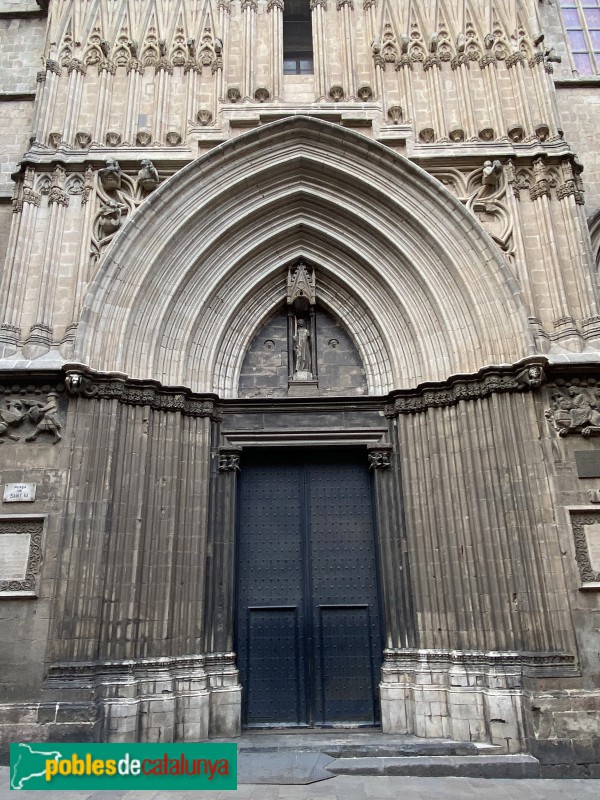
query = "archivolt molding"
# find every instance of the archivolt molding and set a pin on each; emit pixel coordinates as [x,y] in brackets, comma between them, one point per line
[198,267]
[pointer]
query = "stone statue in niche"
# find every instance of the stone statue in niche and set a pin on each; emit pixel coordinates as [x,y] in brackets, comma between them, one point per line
[302,354]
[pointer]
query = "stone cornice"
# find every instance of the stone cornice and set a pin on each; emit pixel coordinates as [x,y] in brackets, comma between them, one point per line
[527,374]
[85,383]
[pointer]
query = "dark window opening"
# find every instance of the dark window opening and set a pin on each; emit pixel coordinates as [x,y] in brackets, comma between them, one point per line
[297,38]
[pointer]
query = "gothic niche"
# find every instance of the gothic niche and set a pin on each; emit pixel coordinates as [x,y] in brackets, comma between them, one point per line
[302,350]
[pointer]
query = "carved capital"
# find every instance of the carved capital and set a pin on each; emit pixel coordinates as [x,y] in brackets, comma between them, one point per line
[135,65]
[537,58]
[249,5]
[76,65]
[314,4]
[29,196]
[513,59]
[58,195]
[275,4]
[53,66]
[380,456]
[341,3]
[229,459]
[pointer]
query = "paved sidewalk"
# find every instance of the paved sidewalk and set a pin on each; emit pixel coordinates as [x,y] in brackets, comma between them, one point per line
[353,788]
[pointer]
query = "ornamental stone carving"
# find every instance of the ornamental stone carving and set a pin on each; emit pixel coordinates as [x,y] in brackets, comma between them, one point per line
[147,177]
[110,175]
[584,543]
[229,459]
[24,417]
[575,410]
[475,387]
[32,531]
[380,456]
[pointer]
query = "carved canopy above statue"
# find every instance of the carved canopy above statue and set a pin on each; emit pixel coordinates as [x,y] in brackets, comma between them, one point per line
[203,262]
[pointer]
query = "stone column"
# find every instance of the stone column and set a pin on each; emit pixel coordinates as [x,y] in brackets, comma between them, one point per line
[135,70]
[460,65]
[249,9]
[76,70]
[39,340]
[225,698]
[48,100]
[106,73]
[522,112]
[319,9]
[16,274]
[346,8]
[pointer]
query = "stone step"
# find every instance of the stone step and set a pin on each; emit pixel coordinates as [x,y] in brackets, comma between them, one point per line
[435,766]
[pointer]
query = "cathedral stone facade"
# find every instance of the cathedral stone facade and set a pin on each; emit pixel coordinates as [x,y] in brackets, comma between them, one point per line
[300,370]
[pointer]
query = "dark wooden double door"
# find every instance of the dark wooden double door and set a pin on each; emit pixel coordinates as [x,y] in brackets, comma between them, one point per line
[308,633]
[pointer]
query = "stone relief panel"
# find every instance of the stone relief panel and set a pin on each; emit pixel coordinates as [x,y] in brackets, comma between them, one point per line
[29,414]
[20,555]
[574,408]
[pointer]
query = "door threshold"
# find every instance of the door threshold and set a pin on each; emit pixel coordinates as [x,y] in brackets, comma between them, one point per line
[300,731]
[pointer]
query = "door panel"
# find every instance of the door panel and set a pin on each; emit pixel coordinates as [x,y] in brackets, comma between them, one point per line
[308,637]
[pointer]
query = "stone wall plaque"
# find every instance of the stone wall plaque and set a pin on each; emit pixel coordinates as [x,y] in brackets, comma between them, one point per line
[588,463]
[19,493]
[20,556]
[14,553]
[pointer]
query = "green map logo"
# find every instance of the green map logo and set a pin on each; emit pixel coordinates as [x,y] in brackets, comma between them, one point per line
[123,766]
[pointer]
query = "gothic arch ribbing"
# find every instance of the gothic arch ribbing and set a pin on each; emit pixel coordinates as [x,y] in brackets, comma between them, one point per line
[419,284]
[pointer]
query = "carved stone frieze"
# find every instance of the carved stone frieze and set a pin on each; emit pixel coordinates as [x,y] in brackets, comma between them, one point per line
[26,413]
[575,407]
[537,663]
[31,530]
[96,386]
[468,387]
[579,521]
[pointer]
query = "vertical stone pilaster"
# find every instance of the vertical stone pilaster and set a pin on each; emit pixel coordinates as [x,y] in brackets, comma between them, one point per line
[249,11]
[346,9]
[16,273]
[275,10]
[135,71]
[106,72]
[76,70]
[319,11]
[396,590]
[221,568]
[48,100]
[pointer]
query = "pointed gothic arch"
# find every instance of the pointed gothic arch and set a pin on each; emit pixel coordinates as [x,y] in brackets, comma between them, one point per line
[421,287]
